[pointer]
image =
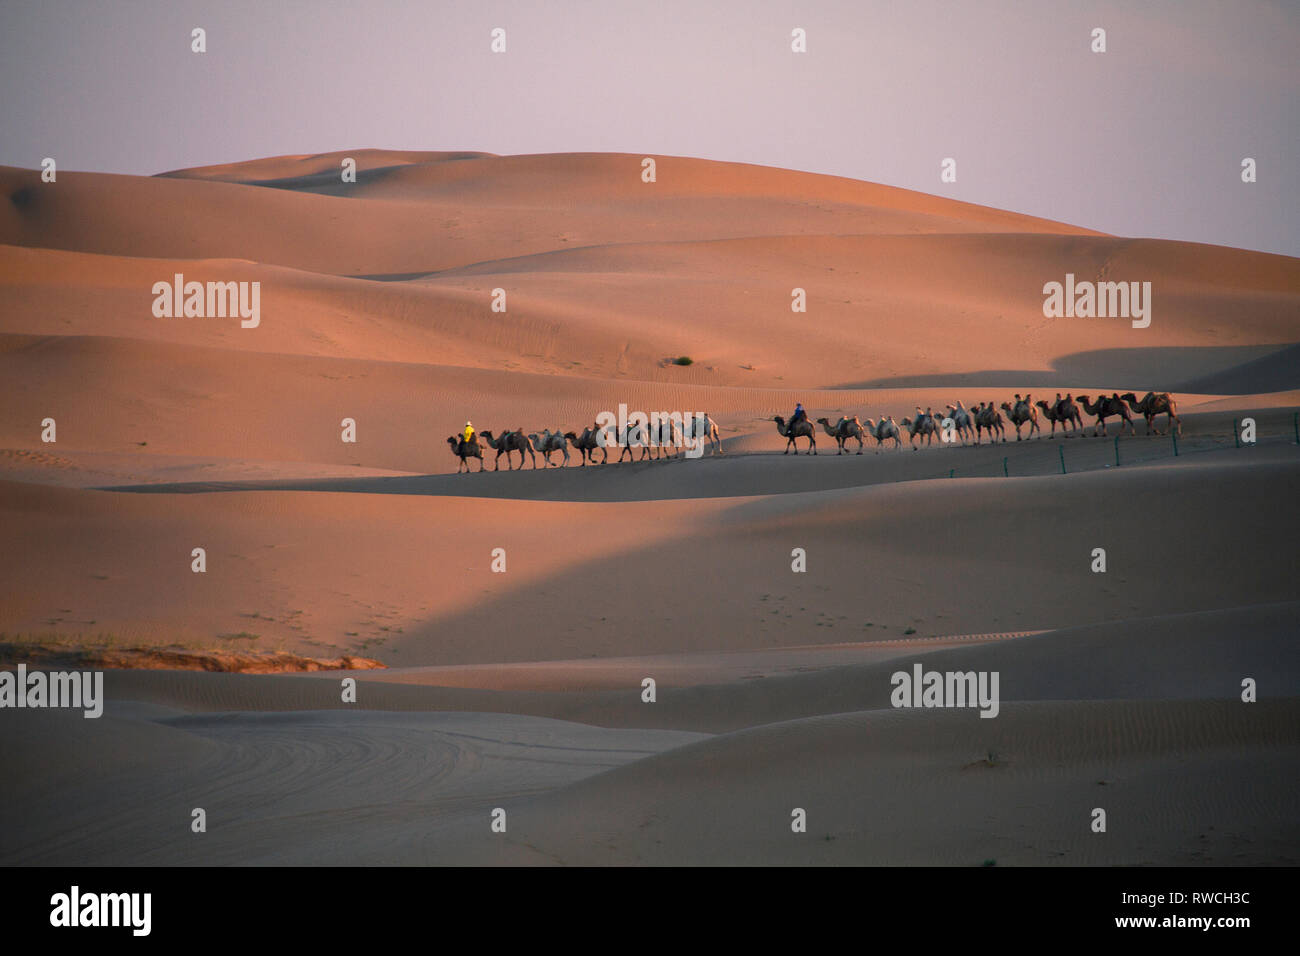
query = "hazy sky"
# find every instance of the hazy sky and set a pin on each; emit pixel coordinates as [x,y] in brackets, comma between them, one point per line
[1146,139]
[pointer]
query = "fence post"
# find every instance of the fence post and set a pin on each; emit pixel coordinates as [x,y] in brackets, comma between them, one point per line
[1295,423]
[1236,433]
[951,472]
[1116,451]
[1061,450]
[1175,437]
[1005,473]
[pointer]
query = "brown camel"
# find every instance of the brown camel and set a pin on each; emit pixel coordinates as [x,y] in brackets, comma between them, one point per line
[510,441]
[1153,404]
[923,425]
[587,443]
[843,430]
[634,436]
[464,450]
[803,429]
[1062,411]
[1107,408]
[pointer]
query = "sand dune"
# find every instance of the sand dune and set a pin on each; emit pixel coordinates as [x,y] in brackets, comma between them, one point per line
[637,577]
[522,690]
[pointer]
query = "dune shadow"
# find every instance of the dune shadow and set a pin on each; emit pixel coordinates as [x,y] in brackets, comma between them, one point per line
[1220,370]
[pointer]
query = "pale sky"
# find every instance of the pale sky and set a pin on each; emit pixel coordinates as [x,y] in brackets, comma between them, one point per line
[1146,139]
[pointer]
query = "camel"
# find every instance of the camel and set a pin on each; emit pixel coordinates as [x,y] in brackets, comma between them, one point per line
[1153,405]
[706,429]
[803,429]
[464,450]
[886,430]
[665,438]
[510,441]
[634,436]
[587,443]
[1022,413]
[548,442]
[1062,411]
[843,430]
[1106,408]
[988,418]
[923,425]
[961,420]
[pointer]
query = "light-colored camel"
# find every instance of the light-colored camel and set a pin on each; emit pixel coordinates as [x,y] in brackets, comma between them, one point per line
[665,438]
[886,430]
[587,443]
[1022,413]
[1153,404]
[1108,408]
[843,430]
[704,428]
[923,425]
[989,419]
[548,442]
[510,441]
[465,450]
[961,420]
[803,429]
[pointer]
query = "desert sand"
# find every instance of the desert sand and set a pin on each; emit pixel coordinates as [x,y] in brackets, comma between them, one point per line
[523,690]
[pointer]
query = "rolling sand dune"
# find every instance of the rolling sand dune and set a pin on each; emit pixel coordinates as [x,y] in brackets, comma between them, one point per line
[340,572]
[522,690]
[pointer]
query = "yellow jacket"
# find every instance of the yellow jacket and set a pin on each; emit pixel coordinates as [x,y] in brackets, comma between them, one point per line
[469,432]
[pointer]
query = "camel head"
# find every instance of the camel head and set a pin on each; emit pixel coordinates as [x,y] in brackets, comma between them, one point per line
[454,442]
[1006,406]
[823,421]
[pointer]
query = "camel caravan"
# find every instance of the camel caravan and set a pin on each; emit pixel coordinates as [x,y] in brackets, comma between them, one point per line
[664,438]
[1023,413]
[658,439]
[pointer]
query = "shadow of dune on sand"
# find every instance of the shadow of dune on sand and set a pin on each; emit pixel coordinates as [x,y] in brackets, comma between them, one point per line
[1221,370]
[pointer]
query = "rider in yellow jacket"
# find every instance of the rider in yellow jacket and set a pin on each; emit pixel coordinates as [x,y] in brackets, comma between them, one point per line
[469,433]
